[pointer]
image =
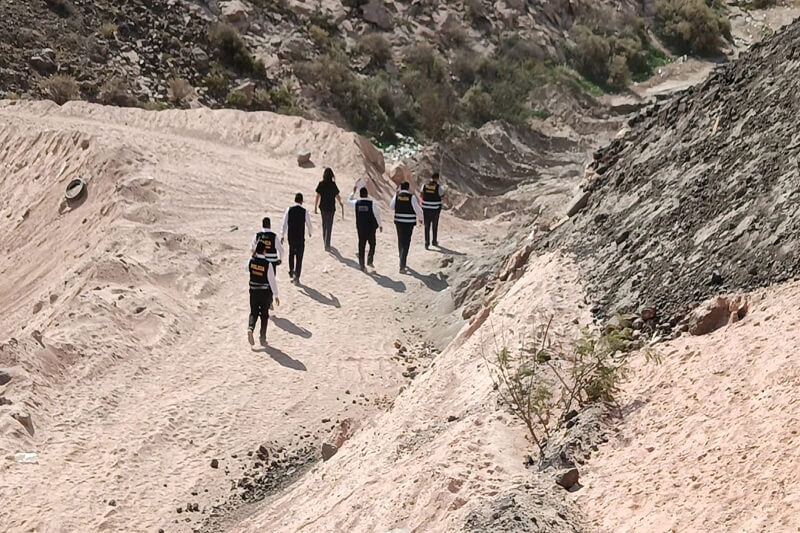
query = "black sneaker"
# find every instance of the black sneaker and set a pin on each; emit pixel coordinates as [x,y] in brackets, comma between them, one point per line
[262,340]
[291,275]
[370,265]
[428,246]
[436,243]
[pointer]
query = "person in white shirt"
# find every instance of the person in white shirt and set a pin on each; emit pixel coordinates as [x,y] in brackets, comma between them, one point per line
[295,222]
[368,219]
[407,213]
[263,287]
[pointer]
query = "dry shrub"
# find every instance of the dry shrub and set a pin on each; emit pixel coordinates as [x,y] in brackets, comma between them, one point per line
[377,48]
[116,91]
[692,26]
[108,30]
[179,90]
[61,88]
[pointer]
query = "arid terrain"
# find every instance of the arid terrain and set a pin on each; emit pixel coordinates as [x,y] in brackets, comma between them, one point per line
[662,217]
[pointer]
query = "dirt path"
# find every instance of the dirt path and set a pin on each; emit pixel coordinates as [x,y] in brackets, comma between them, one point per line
[160,379]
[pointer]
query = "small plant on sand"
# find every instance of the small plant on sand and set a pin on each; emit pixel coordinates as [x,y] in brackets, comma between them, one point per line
[543,381]
[61,88]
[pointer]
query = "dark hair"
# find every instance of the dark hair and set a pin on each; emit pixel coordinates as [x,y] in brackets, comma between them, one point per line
[327,175]
[363,192]
[298,198]
[265,223]
[260,247]
[404,186]
[435,176]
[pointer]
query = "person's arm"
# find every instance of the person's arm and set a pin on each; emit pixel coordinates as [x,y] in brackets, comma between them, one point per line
[417,208]
[285,226]
[273,283]
[279,248]
[441,190]
[316,204]
[352,200]
[377,212]
[341,205]
[394,201]
[308,223]
[253,244]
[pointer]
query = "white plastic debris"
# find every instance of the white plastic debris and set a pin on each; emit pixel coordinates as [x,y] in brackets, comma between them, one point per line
[26,457]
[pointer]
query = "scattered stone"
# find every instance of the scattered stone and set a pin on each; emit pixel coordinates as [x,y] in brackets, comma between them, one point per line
[716,278]
[112,503]
[580,201]
[303,157]
[263,452]
[716,313]
[338,436]
[567,478]
[452,418]
[328,451]
[5,377]
[214,463]
[25,419]
[236,13]
[376,13]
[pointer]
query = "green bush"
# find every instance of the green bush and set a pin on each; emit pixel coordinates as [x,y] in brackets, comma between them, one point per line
[377,48]
[320,37]
[610,52]
[217,83]
[237,100]
[61,88]
[619,75]
[233,51]
[692,26]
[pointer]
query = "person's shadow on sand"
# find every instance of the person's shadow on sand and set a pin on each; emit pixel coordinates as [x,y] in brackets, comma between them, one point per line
[431,282]
[380,279]
[314,294]
[290,327]
[282,358]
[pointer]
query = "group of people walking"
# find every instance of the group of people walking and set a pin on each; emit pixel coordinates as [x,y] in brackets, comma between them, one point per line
[267,250]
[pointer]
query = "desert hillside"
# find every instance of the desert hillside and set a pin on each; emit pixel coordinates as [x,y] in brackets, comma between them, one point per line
[605,341]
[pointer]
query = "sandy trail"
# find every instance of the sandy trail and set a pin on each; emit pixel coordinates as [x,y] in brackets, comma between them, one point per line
[143,374]
[710,441]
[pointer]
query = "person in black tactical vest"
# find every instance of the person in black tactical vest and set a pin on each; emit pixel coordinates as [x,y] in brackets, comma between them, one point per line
[295,221]
[273,251]
[407,213]
[432,193]
[368,219]
[263,287]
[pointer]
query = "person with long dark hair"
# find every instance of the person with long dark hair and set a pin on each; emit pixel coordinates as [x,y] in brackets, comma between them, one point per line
[327,196]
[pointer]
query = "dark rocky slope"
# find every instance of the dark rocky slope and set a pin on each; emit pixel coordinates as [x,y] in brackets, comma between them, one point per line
[701,196]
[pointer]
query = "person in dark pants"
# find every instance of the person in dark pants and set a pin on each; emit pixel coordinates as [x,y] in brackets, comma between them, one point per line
[295,221]
[432,193]
[263,287]
[368,219]
[407,213]
[327,196]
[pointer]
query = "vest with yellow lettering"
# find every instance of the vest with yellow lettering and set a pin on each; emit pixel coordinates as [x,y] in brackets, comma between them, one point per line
[403,210]
[431,199]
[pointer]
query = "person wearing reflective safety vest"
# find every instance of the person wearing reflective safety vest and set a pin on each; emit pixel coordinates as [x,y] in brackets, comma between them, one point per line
[432,193]
[368,219]
[407,213]
[273,249]
[263,287]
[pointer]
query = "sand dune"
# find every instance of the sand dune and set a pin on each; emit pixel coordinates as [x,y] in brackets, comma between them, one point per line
[124,317]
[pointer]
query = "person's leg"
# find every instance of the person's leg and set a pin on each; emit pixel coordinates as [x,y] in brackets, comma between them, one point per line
[299,250]
[254,312]
[327,227]
[435,226]
[265,300]
[428,215]
[407,246]
[292,254]
[371,241]
[399,228]
[330,227]
[362,244]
